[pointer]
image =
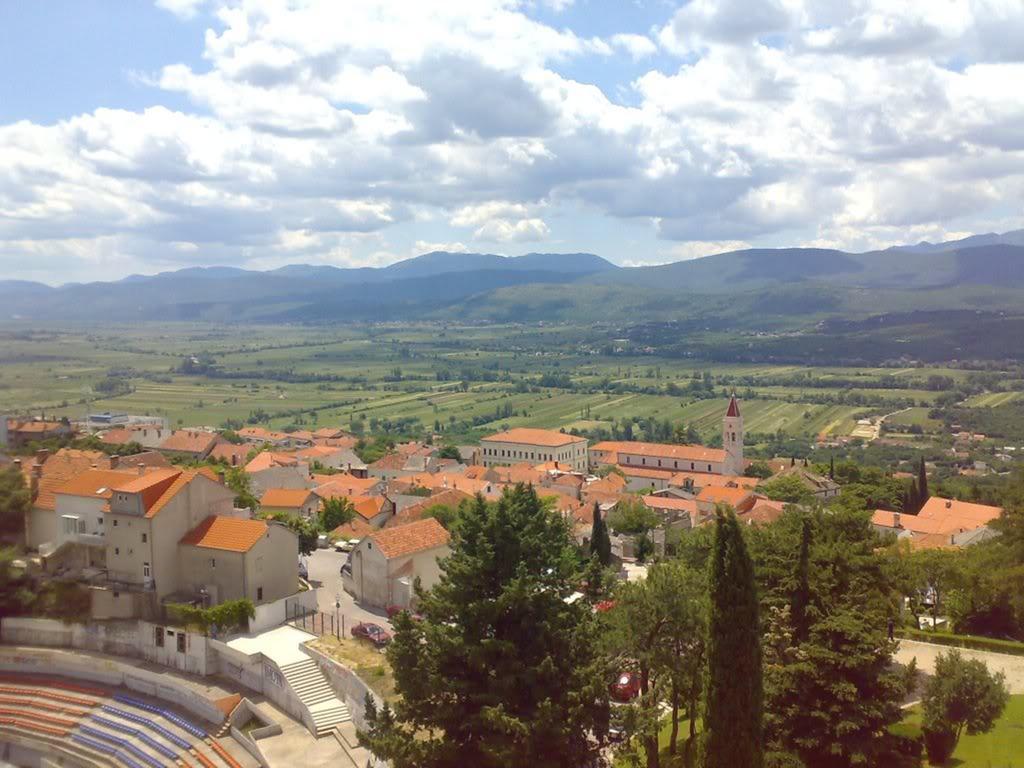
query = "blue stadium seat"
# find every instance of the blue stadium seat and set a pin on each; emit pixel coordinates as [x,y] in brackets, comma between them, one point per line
[144,737]
[181,722]
[172,737]
[123,745]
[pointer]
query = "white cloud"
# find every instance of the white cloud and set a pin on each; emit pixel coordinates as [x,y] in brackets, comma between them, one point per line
[423,246]
[184,9]
[357,131]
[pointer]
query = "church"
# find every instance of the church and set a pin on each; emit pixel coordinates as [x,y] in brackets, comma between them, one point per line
[657,459]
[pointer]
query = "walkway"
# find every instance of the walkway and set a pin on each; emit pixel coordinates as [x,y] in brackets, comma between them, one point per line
[925,653]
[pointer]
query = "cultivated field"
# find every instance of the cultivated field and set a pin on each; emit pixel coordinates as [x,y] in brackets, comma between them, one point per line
[462,380]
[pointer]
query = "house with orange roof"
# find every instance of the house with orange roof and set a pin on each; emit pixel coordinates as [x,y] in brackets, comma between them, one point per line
[738,499]
[230,558]
[81,504]
[44,473]
[376,510]
[148,515]
[344,485]
[382,569]
[449,497]
[331,433]
[940,523]
[146,435]
[301,502]
[764,512]
[231,454]
[535,446]
[334,458]
[354,530]
[694,481]
[21,432]
[191,444]
[274,469]
[674,511]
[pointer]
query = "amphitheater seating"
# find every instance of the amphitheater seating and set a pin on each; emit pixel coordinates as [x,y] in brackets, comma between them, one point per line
[174,738]
[88,690]
[181,722]
[204,760]
[35,716]
[48,695]
[123,744]
[28,725]
[144,737]
[106,749]
[10,701]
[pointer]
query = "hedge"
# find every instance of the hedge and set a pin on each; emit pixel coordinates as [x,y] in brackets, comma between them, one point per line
[973,642]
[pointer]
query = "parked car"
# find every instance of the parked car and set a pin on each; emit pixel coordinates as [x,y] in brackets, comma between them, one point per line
[322,542]
[371,632]
[345,545]
[626,687]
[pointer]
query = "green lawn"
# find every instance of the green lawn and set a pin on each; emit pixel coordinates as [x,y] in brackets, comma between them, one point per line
[1002,747]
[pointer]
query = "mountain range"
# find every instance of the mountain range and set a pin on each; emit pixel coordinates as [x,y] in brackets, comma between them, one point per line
[753,288]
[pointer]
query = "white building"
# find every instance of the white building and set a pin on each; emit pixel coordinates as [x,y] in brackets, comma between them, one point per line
[383,567]
[535,446]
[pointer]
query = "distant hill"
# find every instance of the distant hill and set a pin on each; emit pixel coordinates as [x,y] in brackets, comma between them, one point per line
[749,289]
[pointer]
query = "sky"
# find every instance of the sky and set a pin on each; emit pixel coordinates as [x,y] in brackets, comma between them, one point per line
[141,137]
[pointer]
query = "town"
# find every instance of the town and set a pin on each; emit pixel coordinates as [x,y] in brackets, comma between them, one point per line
[254,549]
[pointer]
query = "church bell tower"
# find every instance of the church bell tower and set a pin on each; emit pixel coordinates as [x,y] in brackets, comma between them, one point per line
[732,438]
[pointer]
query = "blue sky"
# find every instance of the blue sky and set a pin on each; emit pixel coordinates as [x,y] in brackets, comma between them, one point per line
[138,137]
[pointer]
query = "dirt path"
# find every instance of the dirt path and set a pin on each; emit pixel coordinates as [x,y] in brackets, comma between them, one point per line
[925,653]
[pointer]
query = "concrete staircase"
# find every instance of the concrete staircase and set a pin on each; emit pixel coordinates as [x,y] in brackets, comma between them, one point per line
[312,689]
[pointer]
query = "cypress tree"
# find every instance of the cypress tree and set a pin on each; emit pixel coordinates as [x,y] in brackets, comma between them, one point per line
[600,543]
[832,468]
[733,686]
[801,597]
[922,485]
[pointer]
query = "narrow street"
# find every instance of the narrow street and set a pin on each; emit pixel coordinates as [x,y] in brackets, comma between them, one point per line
[325,572]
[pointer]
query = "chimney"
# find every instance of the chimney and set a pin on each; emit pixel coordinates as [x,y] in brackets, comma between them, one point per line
[114,461]
[896,520]
[142,469]
[220,476]
[41,455]
[949,504]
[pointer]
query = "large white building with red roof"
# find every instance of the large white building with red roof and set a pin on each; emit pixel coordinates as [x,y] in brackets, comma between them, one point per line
[535,446]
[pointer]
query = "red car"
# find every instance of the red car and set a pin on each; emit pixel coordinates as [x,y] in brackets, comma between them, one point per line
[371,632]
[626,687]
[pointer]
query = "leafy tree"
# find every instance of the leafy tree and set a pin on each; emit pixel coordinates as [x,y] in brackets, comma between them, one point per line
[501,670]
[449,452]
[758,469]
[733,684]
[15,502]
[305,529]
[631,515]
[787,488]
[961,695]
[600,543]
[16,595]
[657,630]
[237,479]
[334,512]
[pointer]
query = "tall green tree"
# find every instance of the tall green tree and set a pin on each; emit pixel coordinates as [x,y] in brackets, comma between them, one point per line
[237,479]
[600,543]
[733,684]
[922,485]
[502,670]
[15,502]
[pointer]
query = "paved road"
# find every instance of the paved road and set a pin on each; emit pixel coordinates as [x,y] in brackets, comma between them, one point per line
[925,653]
[325,571]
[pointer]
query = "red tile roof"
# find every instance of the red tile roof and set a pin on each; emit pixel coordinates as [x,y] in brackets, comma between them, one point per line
[357,528]
[694,453]
[940,516]
[189,441]
[230,534]
[288,498]
[94,483]
[448,498]
[527,436]
[411,538]
[734,408]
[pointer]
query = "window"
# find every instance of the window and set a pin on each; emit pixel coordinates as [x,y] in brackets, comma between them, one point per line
[259,593]
[709,467]
[158,636]
[145,570]
[101,521]
[181,642]
[213,562]
[115,522]
[117,550]
[143,538]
